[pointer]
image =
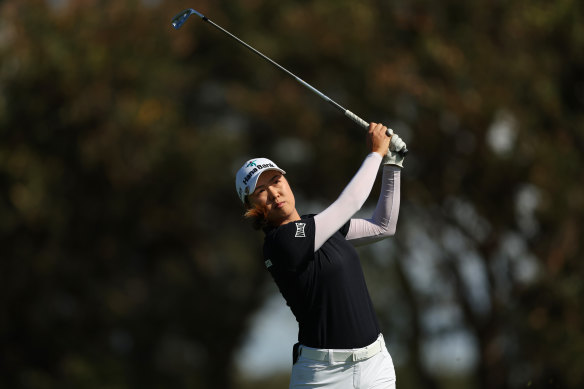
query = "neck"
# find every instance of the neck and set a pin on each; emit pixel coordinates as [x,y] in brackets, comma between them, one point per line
[294,216]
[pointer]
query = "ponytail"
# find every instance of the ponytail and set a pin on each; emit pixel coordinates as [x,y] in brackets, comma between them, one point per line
[257,214]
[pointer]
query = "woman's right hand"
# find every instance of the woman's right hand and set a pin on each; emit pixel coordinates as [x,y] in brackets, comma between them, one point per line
[377,139]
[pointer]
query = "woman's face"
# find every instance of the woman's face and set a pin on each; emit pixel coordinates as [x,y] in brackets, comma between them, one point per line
[273,193]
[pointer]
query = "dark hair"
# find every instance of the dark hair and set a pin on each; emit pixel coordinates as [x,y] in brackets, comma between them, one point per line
[257,214]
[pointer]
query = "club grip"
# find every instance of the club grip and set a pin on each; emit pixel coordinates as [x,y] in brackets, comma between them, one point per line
[356,119]
[365,125]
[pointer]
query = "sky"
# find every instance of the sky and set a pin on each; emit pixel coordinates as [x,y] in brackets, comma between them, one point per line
[268,348]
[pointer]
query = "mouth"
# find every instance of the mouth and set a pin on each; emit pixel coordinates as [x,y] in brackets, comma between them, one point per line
[279,205]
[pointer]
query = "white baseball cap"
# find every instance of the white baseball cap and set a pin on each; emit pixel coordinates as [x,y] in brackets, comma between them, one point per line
[247,177]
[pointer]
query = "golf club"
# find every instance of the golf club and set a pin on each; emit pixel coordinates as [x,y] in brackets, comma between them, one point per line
[181,18]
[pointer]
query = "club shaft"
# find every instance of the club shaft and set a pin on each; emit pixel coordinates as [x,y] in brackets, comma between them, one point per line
[362,123]
[351,115]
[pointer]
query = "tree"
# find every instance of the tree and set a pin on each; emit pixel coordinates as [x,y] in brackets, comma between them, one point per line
[125,261]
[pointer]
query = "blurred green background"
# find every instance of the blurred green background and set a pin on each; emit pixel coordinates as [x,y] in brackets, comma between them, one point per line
[124,258]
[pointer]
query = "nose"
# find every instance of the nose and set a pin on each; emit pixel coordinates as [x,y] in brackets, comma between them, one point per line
[272,192]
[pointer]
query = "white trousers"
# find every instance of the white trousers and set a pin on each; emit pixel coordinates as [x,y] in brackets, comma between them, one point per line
[376,372]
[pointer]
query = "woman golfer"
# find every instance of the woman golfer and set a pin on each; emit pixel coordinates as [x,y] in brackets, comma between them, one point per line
[316,268]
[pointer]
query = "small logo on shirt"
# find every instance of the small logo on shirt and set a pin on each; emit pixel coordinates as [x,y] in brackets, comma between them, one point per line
[300,230]
[268,263]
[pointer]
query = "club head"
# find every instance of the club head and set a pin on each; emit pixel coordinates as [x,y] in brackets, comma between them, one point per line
[182,17]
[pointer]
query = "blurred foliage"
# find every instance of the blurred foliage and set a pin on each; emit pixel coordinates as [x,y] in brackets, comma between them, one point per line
[124,260]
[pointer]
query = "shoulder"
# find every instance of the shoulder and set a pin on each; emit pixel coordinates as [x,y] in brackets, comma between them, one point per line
[292,243]
[291,231]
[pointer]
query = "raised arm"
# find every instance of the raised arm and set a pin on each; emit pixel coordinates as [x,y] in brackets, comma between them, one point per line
[383,222]
[356,192]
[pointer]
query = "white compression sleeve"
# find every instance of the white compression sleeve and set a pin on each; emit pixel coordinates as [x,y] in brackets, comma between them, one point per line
[384,220]
[349,202]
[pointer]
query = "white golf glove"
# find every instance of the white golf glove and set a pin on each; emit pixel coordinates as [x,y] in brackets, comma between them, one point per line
[393,157]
